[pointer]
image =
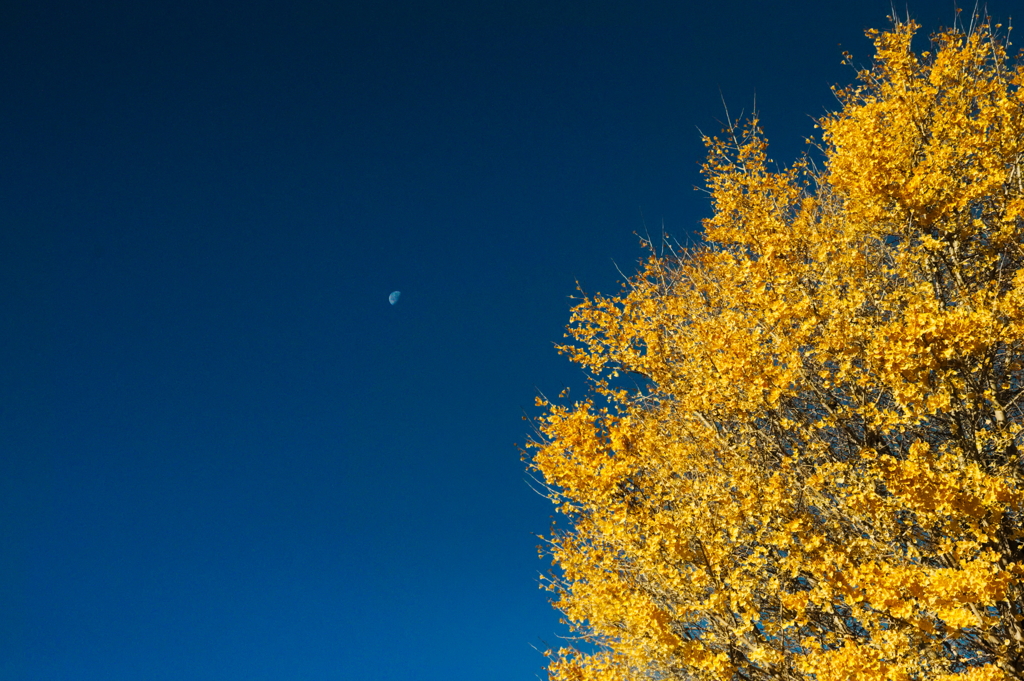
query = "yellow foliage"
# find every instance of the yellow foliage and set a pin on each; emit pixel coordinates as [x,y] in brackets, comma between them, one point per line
[815,473]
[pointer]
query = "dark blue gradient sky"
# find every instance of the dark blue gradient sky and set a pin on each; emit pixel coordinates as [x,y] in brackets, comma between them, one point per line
[223,454]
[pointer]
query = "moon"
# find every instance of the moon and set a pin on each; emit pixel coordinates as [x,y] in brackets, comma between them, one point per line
[393,298]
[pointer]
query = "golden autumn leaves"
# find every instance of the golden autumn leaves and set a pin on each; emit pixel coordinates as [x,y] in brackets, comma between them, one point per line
[816,474]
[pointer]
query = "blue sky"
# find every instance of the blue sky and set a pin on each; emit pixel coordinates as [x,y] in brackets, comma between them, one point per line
[223,454]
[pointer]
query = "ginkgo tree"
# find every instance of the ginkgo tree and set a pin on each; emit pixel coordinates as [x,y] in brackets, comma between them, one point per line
[798,455]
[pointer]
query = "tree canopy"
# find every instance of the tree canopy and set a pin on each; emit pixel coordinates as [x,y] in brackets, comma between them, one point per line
[798,455]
